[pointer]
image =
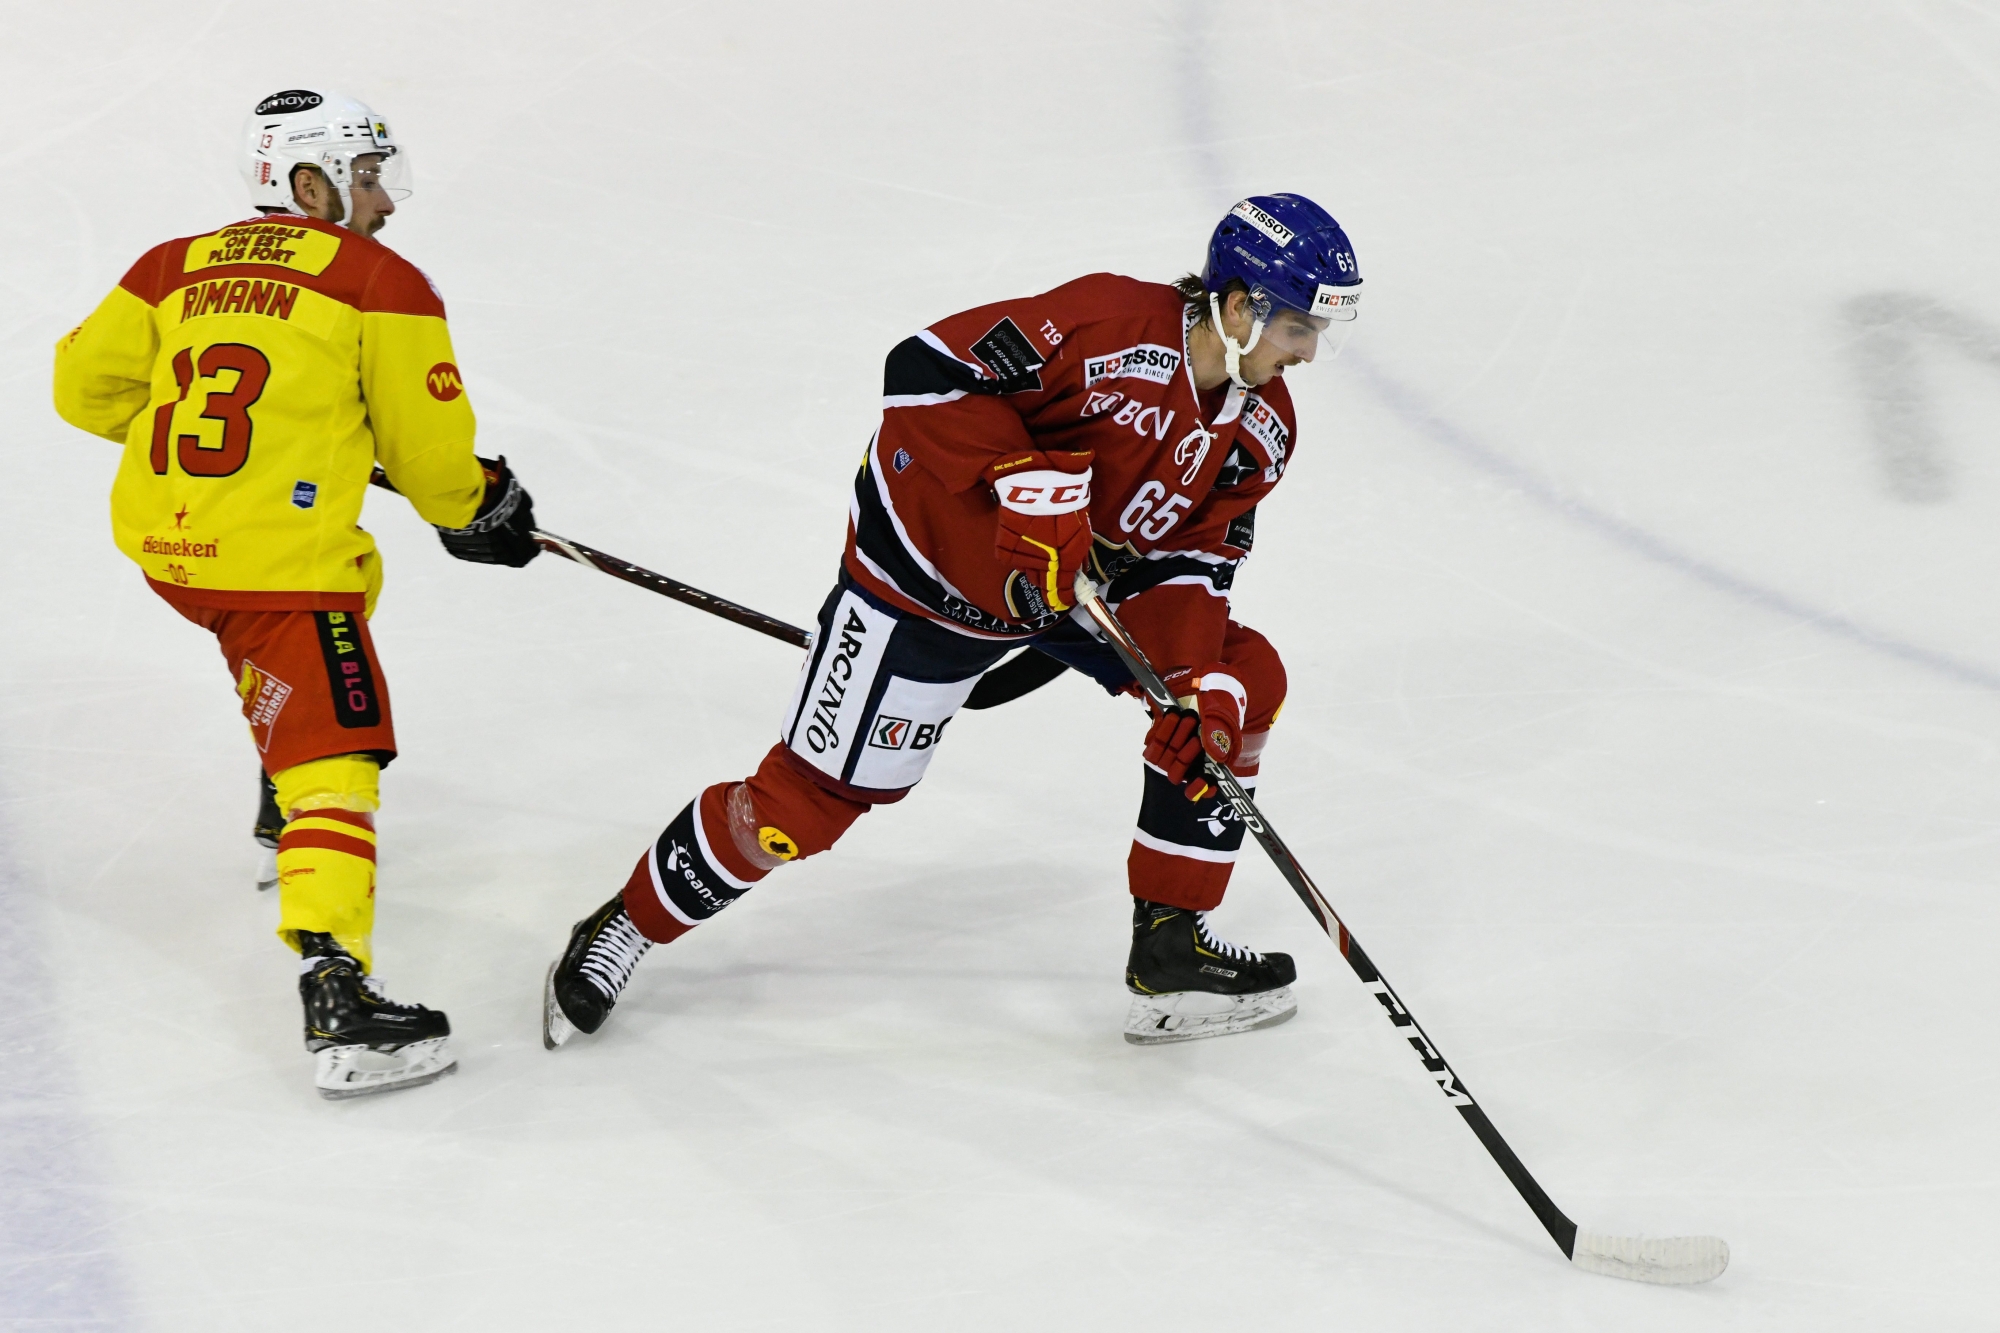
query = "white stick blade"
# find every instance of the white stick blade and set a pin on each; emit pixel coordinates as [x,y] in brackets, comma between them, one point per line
[1670,1260]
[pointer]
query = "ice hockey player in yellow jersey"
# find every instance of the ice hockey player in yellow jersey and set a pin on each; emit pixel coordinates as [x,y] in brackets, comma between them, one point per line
[255,377]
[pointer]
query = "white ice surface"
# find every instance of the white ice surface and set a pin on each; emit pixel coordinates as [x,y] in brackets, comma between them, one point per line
[1635,578]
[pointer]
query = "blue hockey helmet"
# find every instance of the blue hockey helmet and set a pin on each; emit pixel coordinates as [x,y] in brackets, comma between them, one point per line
[1291,254]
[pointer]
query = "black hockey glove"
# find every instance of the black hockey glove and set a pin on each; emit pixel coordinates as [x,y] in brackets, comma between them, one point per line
[502,532]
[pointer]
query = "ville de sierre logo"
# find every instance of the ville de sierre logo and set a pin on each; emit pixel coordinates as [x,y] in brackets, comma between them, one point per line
[443,382]
[298,248]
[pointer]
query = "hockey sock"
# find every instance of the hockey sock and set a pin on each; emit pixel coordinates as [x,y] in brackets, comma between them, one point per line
[1183,851]
[681,881]
[727,839]
[326,851]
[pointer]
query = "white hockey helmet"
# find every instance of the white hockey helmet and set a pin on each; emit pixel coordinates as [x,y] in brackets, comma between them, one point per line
[318,128]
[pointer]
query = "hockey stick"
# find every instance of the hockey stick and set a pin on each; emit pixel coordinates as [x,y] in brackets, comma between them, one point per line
[591,557]
[1675,1260]
[1008,681]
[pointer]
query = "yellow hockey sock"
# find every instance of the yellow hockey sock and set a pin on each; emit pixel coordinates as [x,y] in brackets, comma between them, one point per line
[326,853]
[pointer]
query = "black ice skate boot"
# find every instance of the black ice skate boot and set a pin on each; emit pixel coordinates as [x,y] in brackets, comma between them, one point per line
[586,981]
[270,823]
[1186,983]
[365,1042]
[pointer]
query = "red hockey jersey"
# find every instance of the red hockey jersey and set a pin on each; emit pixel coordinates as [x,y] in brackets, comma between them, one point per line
[1100,363]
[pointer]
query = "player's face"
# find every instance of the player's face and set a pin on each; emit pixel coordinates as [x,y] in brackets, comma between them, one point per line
[1290,338]
[372,204]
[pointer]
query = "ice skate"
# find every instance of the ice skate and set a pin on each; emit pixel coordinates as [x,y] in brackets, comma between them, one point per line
[364,1041]
[586,981]
[1187,984]
[270,824]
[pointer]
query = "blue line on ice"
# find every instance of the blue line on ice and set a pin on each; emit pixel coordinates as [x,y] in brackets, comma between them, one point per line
[1405,403]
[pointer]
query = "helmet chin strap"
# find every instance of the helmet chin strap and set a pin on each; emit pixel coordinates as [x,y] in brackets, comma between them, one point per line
[1233,351]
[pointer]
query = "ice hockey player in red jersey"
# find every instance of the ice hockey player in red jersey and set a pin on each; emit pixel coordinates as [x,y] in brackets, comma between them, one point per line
[1122,427]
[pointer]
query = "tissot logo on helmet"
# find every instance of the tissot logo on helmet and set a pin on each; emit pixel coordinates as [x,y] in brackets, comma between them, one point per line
[282,104]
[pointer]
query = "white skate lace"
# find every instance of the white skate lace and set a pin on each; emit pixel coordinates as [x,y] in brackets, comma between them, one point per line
[1210,940]
[613,954]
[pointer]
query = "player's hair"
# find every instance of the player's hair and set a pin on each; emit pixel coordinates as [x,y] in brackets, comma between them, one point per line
[1195,292]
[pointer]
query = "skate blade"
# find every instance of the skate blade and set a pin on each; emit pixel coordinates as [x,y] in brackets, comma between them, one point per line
[556,1027]
[1154,1020]
[267,869]
[341,1072]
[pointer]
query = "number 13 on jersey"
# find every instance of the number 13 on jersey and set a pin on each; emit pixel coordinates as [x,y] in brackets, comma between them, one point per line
[227,378]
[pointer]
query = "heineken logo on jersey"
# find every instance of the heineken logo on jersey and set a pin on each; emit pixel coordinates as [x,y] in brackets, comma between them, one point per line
[1263,222]
[285,103]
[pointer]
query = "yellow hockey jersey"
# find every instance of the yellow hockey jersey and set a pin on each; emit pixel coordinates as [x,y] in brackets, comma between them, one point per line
[255,376]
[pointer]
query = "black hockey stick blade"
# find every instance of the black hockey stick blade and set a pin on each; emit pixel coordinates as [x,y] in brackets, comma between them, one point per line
[1675,1260]
[1023,673]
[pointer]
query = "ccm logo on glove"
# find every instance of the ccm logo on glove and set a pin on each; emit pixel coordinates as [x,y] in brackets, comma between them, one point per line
[1045,492]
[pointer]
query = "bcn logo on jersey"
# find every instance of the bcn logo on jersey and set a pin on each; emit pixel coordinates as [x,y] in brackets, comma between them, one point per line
[1263,222]
[1147,361]
[443,382]
[1142,419]
[893,733]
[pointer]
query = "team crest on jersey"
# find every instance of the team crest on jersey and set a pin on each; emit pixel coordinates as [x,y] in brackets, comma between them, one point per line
[305,494]
[1146,361]
[264,697]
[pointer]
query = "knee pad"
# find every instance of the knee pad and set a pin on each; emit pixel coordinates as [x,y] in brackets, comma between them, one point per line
[342,782]
[794,816]
[1252,659]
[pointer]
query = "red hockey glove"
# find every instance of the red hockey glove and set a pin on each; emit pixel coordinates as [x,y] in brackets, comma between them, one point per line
[1210,721]
[1044,523]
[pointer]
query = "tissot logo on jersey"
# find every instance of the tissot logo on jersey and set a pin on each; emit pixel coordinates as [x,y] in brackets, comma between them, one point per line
[1147,361]
[1267,429]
